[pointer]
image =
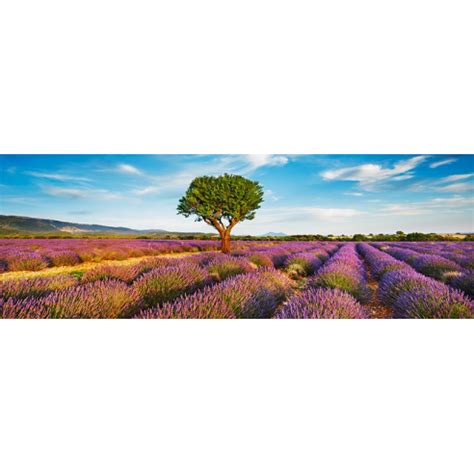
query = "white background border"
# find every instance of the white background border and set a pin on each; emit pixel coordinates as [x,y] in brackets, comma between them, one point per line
[236,396]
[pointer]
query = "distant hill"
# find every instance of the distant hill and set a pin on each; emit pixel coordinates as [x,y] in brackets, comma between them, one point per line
[17,224]
[275,234]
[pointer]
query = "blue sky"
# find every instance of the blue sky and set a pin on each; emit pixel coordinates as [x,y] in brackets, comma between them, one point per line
[327,194]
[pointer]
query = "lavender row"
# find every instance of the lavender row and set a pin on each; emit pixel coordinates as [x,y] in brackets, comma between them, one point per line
[322,303]
[437,267]
[430,265]
[345,271]
[411,294]
[461,253]
[254,295]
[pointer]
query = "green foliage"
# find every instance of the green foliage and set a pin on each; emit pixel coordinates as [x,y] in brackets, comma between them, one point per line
[216,200]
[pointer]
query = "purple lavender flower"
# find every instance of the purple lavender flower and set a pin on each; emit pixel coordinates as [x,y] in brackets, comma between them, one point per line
[225,266]
[22,288]
[464,282]
[102,299]
[380,262]
[26,261]
[345,271]
[434,266]
[433,302]
[253,295]
[322,303]
[394,283]
[59,258]
[167,283]
[302,264]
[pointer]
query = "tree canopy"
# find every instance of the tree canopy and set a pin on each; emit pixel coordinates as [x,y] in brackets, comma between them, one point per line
[222,202]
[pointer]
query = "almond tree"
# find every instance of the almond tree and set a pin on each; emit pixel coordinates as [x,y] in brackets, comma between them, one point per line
[222,202]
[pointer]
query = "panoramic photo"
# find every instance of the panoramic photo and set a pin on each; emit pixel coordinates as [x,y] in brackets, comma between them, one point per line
[237,236]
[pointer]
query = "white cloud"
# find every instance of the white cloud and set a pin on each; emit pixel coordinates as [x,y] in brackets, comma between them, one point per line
[282,214]
[451,204]
[456,188]
[457,201]
[442,163]
[79,193]
[405,210]
[354,194]
[257,161]
[57,176]
[129,169]
[239,164]
[332,213]
[456,177]
[147,190]
[368,175]
[272,195]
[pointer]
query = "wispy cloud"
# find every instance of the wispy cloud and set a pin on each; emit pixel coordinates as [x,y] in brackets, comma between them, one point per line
[456,188]
[456,177]
[271,195]
[57,176]
[369,175]
[257,161]
[354,194]
[436,164]
[80,193]
[128,169]
[147,190]
[451,204]
[282,214]
[178,180]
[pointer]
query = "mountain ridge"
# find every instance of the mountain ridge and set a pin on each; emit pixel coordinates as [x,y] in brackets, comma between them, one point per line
[34,224]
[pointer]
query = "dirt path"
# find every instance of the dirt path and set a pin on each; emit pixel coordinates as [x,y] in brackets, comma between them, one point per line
[374,306]
[52,271]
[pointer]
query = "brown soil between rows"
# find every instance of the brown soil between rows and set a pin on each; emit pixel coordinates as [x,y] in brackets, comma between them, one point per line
[374,306]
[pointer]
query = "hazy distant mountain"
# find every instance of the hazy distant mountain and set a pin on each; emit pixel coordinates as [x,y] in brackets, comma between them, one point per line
[274,234]
[11,224]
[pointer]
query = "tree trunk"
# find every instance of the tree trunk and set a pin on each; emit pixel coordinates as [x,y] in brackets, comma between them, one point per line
[225,242]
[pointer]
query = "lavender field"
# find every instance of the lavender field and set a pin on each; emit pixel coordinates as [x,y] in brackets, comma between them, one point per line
[148,279]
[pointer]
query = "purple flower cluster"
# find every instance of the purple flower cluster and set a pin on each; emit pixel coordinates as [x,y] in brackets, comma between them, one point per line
[380,262]
[167,283]
[407,255]
[413,295]
[60,258]
[396,282]
[464,282]
[432,261]
[21,260]
[302,264]
[260,259]
[126,273]
[461,253]
[22,288]
[433,302]
[102,299]
[344,270]
[225,266]
[435,266]
[322,303]
[253,295]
